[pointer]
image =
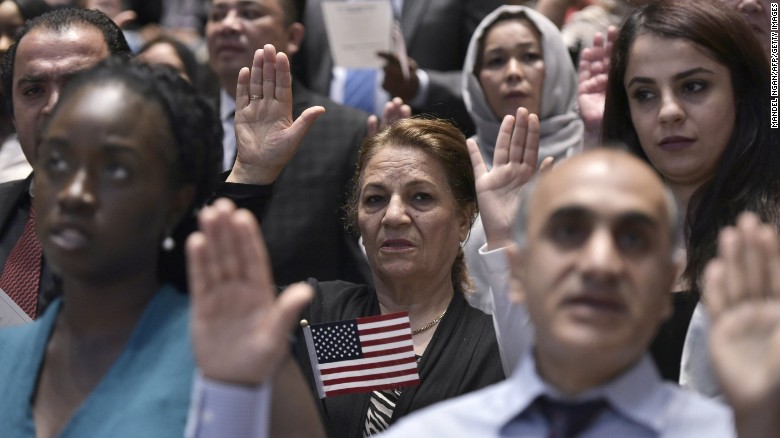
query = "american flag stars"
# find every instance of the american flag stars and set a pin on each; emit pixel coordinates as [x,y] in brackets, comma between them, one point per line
[336,341]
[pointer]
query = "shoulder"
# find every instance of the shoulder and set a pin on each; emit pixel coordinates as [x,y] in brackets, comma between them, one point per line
[16,340]
[304,98]
[690,414]
[336,300]
[22,348]
[27,337]
[18,185]
[10,191]
[476,318]
[479,413]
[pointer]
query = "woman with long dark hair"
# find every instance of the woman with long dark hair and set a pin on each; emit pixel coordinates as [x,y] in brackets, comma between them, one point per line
[688,91]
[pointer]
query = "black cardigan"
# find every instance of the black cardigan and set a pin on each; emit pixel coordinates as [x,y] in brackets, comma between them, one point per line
[461,357]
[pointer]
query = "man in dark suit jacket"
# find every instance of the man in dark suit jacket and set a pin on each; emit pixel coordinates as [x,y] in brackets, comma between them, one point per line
[33,75]
[302,225]
[436,33]
[14,209]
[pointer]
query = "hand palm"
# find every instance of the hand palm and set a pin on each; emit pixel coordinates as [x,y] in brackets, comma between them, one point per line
[267,137]
[514,163]
[499,190]
[744,344]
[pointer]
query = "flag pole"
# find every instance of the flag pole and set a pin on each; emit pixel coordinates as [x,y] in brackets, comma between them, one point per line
[312,353]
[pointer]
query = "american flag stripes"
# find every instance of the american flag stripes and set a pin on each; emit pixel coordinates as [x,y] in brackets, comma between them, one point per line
[363,354]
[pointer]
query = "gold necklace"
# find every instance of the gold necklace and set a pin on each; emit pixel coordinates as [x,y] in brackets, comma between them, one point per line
[430,324]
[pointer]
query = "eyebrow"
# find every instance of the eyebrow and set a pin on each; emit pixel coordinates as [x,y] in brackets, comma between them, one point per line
[31,79]
[578,212]
[501,47]
[567,213]
[111,148]
[415,183]
[38,78]
[640,219]
[676,77]
[237,4]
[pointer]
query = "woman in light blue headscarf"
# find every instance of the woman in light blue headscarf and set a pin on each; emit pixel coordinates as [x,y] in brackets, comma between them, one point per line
[517,58]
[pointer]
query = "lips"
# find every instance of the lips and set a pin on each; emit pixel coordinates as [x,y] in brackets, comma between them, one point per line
[229,47]
[676,143]
[595,304]
[69,237]
[396,245]
[515,95]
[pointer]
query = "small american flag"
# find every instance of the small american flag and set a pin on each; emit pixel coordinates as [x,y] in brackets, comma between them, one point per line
[363,354]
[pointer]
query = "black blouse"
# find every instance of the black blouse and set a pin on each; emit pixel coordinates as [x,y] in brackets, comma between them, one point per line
[462,355]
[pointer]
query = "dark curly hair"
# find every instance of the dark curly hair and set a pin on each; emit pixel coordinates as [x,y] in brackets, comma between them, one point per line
[746,177]
[445,144]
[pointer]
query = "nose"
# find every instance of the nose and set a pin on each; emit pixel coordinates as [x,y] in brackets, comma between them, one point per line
[78,195]
[54,96]
[514,70]
[230,22]
[396,214]
[600,258]
[671,111]
[749,6]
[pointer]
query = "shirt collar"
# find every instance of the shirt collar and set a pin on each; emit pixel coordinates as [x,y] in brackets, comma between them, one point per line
[636,394]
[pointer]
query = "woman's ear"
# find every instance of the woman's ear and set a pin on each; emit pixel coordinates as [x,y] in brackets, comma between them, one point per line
[466,222]
[179,205]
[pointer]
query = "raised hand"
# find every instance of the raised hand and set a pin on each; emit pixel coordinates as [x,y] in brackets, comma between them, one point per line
[266,135]
[397,82]
[240,329]
[742,294]
[514,163]
[592,86]
[395,110]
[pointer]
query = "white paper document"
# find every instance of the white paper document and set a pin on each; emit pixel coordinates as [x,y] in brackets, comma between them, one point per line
[357,31]
[10,313]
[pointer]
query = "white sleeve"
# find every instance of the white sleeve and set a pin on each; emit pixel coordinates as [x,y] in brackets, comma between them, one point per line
[220,410]
[510,320]
[421,97]
[696,372]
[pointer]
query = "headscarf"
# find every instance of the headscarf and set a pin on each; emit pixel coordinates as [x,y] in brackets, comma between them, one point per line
[561,126]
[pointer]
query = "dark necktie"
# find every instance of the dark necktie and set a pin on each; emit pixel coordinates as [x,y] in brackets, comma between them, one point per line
[22,271]
[568,420]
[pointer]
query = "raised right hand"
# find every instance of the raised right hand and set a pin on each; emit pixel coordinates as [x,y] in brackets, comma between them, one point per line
[514,163]
[240,329]
[592,84]
[266,135]
[742,294]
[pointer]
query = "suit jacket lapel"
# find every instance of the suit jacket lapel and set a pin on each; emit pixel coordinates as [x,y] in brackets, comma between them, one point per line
[11,192]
